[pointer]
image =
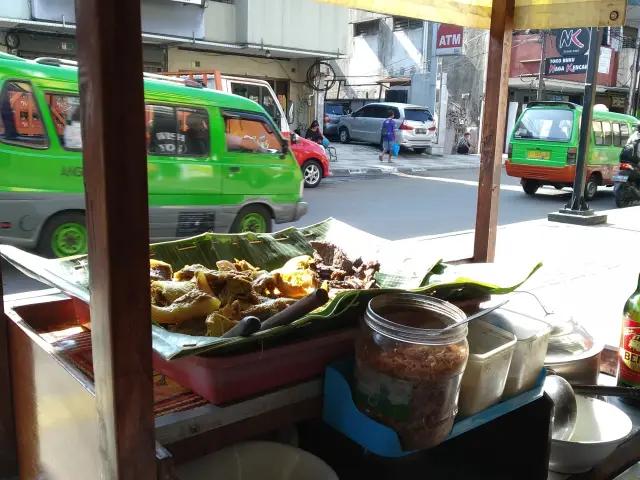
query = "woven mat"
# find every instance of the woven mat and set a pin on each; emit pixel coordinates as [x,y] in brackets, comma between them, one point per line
[169,396]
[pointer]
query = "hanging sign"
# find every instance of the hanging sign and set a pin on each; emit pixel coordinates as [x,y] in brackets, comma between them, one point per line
[566,65]
[572,41]
[449,40]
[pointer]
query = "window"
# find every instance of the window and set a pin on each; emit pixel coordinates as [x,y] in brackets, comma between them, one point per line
[363,29]
[250,133]
[365,112]
[616,135]
[418,115]
[624,133]
[629,37]
[65,111]
[553,125]
[380,111]
[598,136]
[177,131]
[20,120]
[261,95]
[606,133]
[406,23]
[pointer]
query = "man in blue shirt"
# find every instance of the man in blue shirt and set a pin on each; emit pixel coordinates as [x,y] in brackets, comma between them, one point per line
[389,128]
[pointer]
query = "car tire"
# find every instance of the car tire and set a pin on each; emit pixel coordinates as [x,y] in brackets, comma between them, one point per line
[257,216]
[419,150]
[312,173]
[63,235]
[591,188]
[530,187]
[344,135]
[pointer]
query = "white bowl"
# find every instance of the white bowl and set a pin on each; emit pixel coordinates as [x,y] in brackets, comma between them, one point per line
[257,461]
[600,428]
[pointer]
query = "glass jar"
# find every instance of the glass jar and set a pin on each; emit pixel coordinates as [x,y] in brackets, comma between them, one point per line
[408,369]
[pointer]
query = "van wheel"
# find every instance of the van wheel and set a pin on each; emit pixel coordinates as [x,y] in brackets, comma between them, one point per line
[64,235]
[530,187]
[591,188]
[253,218]
[312,173]
[344,135]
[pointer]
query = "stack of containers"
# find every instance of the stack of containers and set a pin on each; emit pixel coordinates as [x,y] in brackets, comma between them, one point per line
[490,353]
[530,350]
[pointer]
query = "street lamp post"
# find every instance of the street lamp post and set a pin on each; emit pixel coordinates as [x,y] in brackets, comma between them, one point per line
[577,210]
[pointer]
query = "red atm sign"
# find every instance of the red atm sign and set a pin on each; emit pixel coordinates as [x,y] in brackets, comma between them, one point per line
[449,39]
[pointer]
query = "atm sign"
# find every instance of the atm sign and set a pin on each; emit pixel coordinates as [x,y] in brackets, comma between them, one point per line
[449,39]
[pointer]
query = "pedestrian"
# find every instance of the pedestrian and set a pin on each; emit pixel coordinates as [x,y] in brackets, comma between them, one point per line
[314,134]
[389,128]
[464,144]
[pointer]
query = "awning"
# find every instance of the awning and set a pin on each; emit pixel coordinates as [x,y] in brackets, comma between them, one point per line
[539,14]
[554,85]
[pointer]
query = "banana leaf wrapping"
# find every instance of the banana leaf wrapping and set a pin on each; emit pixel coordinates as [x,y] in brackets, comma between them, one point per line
[416,271]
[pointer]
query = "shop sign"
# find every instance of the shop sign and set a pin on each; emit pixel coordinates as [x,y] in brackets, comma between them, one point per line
[566,65]
[618,102]
[572,41]
[449,39]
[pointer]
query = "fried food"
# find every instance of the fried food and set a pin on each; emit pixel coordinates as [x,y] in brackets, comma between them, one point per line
[334,267]
[191,305]
[160,270]
[268,308]
[218,325]
[165,292]
[296,278]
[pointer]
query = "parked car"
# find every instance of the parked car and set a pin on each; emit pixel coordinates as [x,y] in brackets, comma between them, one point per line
[311,157]
[416,126]
[333,112]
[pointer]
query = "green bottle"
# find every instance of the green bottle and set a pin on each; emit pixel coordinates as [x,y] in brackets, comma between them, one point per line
[629,353]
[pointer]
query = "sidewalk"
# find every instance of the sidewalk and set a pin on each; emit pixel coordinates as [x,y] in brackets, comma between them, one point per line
[587,271]
[362,159]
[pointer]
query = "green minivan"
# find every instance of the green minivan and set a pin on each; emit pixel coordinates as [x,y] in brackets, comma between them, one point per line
[543,147]
[216,161]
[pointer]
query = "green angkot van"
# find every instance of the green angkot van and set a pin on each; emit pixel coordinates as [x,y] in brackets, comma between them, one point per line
[216,161]
[543,147]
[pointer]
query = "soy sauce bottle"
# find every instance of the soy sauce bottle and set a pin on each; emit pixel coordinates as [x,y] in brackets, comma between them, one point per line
[629,352]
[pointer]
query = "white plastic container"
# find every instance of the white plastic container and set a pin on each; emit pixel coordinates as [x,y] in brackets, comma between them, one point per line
[490,352]
[531,348]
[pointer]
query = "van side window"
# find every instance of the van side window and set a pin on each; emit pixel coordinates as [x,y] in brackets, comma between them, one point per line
[606,134]
[65,111]
[193,135]
[177,131]
[20,119]
[616,135]
[597,133]
[624,133]
[250,134]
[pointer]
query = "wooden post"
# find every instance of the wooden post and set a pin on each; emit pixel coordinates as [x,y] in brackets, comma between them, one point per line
[493,129]
[115,174]
[8,450]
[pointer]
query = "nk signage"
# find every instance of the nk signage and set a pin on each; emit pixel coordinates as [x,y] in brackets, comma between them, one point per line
[572,41]
[449,40]
[566,65]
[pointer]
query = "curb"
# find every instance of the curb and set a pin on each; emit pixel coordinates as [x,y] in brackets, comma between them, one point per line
[380,171]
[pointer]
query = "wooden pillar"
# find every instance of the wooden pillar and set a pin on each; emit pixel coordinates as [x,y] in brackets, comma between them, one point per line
[8,450]
[115,175]
[493,129]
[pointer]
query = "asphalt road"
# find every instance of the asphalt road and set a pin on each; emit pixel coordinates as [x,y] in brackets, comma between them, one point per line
[397,207]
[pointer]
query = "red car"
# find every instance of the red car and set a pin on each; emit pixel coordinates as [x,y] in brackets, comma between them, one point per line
[311,157]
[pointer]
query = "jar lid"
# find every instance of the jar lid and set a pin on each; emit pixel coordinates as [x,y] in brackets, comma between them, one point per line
[569,340]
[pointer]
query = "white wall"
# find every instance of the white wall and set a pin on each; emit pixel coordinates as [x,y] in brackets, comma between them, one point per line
[302,24]
[14,8]
[220,22]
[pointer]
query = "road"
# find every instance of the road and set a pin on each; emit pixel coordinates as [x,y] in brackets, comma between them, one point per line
[396,207]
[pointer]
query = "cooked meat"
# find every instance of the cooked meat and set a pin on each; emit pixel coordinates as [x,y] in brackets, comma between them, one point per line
[264,284]
[217,325]
[164,292]
[188,272]
[226,266]
[160,270]
[191,305]
[268,308]
[332,255]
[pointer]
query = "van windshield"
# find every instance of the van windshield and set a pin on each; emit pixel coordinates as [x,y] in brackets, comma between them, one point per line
[418,115]
[552,125]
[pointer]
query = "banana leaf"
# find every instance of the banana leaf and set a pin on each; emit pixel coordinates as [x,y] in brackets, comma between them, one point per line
[416,271]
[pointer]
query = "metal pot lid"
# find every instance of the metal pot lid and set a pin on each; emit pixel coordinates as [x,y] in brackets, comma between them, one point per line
[569,340]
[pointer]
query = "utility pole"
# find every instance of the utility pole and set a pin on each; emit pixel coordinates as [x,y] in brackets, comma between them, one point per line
[543,60]
[577,211]
[634,76]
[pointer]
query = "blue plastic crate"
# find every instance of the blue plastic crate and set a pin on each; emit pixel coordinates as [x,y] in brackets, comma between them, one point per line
[341,413]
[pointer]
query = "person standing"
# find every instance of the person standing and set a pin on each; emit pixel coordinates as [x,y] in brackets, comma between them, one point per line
[389,128]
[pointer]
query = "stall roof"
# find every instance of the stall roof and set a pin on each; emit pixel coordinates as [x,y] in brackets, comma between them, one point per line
[538,14]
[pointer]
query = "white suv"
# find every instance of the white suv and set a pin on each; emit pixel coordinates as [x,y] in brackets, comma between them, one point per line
[416,126]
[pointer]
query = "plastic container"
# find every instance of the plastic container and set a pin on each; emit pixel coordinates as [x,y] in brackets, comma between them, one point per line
[531,348]
[408,369]
[490,353]
[340,412]
[224,379]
